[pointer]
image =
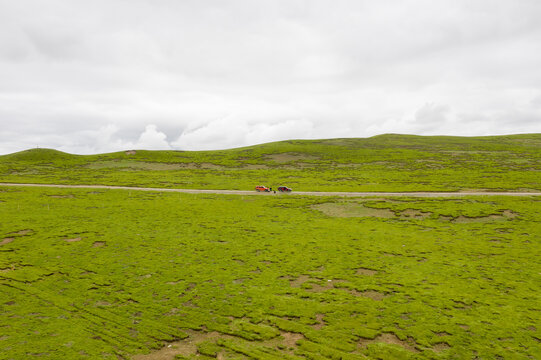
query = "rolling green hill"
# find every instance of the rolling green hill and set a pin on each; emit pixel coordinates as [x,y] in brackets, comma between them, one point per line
[380,163]
[146,275]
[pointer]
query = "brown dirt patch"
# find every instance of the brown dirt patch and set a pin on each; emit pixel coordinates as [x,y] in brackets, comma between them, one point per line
[98,244]
[73,240]
[255,167]
[443,333]
[320,323]
[314,285]
[130,165]
[389,338]
[62,196]
[6,241]
[367,272]
[415,214]
[290,339]
[102,303]
[509,214]
[22,232]
[350,209]
[481,219]
[130,152]
[372,294]
[289,157]
[506,214]
[186,347]
[299,281]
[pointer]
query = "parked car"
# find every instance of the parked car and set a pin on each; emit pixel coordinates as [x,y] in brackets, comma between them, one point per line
[262,188]
[284,189]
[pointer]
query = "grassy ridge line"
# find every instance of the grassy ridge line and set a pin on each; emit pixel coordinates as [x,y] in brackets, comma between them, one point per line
[387,163]
[301,193]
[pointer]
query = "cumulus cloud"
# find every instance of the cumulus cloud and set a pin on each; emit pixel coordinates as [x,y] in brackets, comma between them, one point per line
[217,74]
[229,132]
[108,138]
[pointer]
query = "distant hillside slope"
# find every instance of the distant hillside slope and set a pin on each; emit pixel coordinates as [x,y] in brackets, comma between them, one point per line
[381,163]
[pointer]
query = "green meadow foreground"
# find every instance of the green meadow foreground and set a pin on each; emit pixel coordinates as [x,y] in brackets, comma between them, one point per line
[109,274]
[121,274]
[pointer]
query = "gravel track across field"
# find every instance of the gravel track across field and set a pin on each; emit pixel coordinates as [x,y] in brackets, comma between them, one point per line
[304,193]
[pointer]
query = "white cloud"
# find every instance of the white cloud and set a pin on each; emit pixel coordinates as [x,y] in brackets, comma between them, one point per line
[109,139]
[217,74]
[152,139]
[230,132]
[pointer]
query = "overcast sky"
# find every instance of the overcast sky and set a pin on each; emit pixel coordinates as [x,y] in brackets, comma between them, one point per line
[107,75]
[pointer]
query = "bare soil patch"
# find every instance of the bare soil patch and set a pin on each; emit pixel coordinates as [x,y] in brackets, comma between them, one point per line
[289,157]
[349,209]
[290,339]
[299,281]
[367,272]
[73,240]
[313,285]
[320,323]
[389,338]
[255,167]
[21,232]
[186,347]
[98,244]
[440,347]
[130,152]
[372,294]
[506,214]
[415,214]
[6,241]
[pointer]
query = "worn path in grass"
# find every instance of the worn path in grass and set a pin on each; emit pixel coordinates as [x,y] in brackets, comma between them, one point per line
[305,193]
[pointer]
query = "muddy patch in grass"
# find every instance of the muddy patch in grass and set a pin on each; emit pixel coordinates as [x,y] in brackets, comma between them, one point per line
[313,285]
[186,347]
[366,272]
[299,281]
[319,322]
[371,294]
[289,157]
[73,240]
[349,209]
[389,338]
[291,339]
[415,214]
[6,241]
[505,215]
[21,232]
[97,244]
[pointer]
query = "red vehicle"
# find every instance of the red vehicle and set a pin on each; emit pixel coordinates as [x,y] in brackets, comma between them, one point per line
[262,188]
[284,189]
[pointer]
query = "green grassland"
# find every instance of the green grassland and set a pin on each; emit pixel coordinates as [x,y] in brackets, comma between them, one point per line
[380,163]
[123,274]
[110,274]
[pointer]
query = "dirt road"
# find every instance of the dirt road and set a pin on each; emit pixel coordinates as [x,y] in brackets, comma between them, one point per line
[304,193]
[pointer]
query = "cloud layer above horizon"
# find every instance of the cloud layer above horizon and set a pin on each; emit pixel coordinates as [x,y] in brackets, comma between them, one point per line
[92,77]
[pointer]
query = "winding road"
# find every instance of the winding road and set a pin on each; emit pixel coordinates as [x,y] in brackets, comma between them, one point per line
[303,193]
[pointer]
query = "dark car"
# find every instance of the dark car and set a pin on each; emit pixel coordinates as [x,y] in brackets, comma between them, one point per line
[284,189]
